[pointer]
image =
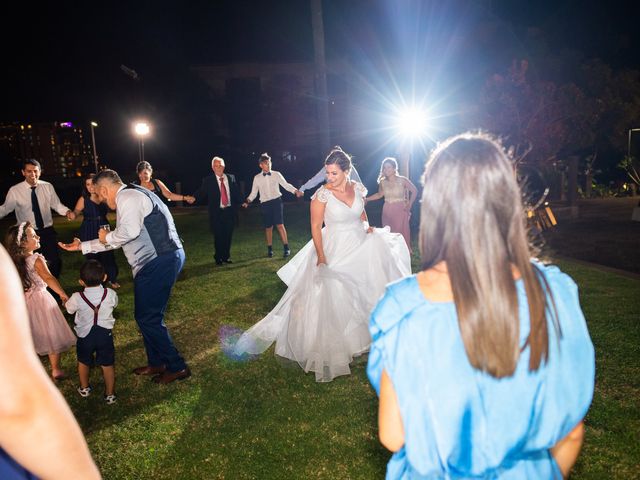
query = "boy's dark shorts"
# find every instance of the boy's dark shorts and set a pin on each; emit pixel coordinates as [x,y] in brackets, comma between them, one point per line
[272,212]
[99,341]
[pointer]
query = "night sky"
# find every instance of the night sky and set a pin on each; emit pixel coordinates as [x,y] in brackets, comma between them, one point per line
[64,61]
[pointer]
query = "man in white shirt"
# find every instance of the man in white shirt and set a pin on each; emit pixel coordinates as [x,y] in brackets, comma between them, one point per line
[148,237]
[32,201]
[267,183]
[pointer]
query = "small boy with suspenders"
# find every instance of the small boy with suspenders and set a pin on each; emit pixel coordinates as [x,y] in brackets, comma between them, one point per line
[93,308]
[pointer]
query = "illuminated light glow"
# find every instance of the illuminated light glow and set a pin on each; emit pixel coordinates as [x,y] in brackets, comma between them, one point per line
[141,129]
[94,124]
[66,124]
[412,122]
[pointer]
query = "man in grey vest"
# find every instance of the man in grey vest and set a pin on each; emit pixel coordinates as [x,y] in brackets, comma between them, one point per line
[148,237]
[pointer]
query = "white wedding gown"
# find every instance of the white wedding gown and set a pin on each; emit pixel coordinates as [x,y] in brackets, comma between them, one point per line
[322,319]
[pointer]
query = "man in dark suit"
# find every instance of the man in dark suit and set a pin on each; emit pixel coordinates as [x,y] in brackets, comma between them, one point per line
[223,197]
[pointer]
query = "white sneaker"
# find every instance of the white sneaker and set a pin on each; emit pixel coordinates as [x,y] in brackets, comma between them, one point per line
[84,392]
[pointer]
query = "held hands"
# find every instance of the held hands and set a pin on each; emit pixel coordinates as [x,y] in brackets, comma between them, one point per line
[245,204]
[74,246]
[299,194]
[70,215]
[102,235]
[321,261]
[64,297]
[190,199]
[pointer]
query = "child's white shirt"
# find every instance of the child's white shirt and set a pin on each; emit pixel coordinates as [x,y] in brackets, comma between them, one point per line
[84,313]
[268,185]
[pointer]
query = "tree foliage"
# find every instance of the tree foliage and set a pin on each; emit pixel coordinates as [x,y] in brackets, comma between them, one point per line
[548,117]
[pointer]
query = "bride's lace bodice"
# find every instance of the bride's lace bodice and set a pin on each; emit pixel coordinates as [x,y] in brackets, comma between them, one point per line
[338,213]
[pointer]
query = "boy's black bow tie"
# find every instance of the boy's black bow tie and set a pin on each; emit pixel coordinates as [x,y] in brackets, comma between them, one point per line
[264,174]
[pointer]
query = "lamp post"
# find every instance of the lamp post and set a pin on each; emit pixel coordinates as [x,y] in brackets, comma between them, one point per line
[141,129]
[93,142]
[411,125]
[631,130]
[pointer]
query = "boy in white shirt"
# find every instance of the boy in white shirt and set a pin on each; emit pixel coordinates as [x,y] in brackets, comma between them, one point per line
[267,183]
[93,325]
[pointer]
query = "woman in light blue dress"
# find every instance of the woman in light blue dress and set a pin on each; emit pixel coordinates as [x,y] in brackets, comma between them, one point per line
[482,361]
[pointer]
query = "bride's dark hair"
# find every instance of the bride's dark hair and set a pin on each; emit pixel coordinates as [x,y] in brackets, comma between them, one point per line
[472,218]
[339,157]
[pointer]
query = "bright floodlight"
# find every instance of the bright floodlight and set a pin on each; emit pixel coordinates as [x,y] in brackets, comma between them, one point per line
[141,129]
[412,122]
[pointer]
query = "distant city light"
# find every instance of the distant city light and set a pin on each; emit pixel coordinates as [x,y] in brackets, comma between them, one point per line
[66,124]
[141,129]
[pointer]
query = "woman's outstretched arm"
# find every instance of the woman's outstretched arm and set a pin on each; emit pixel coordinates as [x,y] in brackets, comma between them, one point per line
[33,413]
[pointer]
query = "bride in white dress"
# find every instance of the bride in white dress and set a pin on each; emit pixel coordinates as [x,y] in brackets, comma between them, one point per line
[334,282]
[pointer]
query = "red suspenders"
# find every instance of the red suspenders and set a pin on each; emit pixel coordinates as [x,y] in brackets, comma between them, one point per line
[95,309]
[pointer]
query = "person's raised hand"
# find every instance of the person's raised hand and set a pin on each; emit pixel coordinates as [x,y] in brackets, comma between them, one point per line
[74,246]
[102,235]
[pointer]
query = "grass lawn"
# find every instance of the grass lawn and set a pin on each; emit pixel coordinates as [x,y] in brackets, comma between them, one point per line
[265,418]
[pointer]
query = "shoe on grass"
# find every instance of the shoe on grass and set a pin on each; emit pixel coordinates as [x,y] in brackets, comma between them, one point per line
[110,399]
[84,392]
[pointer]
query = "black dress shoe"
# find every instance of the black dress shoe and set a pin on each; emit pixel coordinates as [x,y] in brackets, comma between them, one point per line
[149,370]
[168,377]
[219,262]
[287,252]
[228,260]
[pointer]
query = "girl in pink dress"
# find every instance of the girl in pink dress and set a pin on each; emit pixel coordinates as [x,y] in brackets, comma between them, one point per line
[50,332]
[399,194]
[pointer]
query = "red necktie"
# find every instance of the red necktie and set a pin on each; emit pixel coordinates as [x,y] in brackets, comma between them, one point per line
[223,193]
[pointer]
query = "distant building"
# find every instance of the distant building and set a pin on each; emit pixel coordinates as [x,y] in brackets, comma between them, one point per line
[59,147]
[273,107]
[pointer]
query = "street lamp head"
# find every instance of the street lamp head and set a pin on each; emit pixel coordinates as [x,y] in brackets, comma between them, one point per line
[94,124]
[141,129]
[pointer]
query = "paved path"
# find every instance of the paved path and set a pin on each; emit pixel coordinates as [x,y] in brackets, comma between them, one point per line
[602,234]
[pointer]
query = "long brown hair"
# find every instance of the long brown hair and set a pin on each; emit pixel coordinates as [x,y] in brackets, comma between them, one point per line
[391,161]
[15,248]
[472,218]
